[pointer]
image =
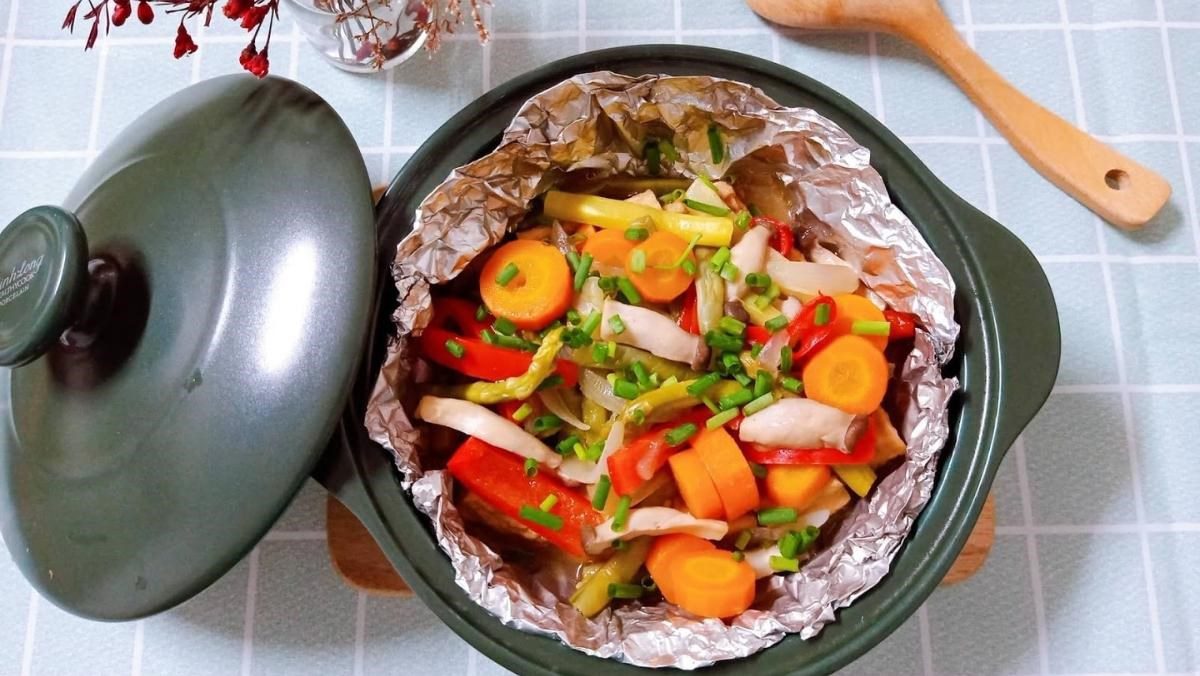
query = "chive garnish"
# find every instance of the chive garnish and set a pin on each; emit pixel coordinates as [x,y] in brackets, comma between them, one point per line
[742,220]
[581,272]
[763,382]
[549,503]
[758,280]
[616,324]
[504,326]
[536,516]
[782,565]
[667,149]
[590,324]
[670,197]
[621,517]
[785,359]
[721,341]
[701,384]
[618,590]
[719,258]
[743,540]
[637,261]
[600,497]
[531,467]
[735,399]
[759,404]
[523,412]
[481,313]
[777,323]
[636,234]
[546,423]
[791,384]
[703,208]
[721,418]
[625,389]
[455,348]
[821,316]
[716,145]
[681,434]
[777,516]
[507,273]
[627,289]
[861,327]
[731,326]
[730,272]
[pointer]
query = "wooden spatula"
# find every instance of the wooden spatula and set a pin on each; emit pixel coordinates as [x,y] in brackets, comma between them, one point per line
[1114,186]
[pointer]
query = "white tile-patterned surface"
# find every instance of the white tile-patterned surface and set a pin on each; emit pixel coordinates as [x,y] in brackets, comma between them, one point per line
[1095,563]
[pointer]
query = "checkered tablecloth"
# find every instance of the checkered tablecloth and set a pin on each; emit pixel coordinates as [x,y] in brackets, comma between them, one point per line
[1096,566]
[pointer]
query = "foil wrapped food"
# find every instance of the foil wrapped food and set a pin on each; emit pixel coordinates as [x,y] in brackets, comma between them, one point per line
[599,121]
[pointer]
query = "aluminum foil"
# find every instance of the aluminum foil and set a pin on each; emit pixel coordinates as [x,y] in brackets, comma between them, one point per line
[599,121]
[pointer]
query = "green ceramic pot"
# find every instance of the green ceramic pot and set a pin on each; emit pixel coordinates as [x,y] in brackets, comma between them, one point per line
[1008,357]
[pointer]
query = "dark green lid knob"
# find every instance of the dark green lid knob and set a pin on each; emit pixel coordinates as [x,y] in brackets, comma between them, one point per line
[43,279]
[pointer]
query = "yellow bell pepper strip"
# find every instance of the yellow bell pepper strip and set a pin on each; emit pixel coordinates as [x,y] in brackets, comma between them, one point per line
[517,387]
[858,478]
[608,213]
[675,396]
[888,443]
[591,596]
[626,356]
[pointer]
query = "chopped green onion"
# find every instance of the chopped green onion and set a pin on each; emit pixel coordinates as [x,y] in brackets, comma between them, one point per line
[619,545]
[531,467]
[576,338]
[772,292]
[627,289]
[861,327]
[573,316]
[721,418]
[688,267]
[743,540]
[546,423]
[758,280]
[612,378]
[712,405]
[785,359]
[567,445]
[617,590]
[687,251]
[738,556]
[791,384]
[782,565]
[504,326]
[672,196]
[720,258]
[789,545]
[701,384]
[581,272]
[594,451]
[758,470]
[760,301]
[608,284]
[636,234]
[573,260]
[821,317]
[776,323]
[600,353]
[756,350]
[641,375]
[731,363]
[722,342]
[616,324]
[703,178]
[807,537]
[763,382]
[514,342]
[759,404]
[743,379]
[730,272]
[600,497]
[621,516]
[612,349]
[705,208]
[716,145]
[681,434]
[653,158]
[742,220]
[590,324]
[455,348]
[777,516]
[637,261]
[735,399]
[481,313]
[507,274]
[552,380]
[545,519]
[580,451]
[638,416]
[549,503]
[625,389]
[732,326]
[667,150]
[523,412]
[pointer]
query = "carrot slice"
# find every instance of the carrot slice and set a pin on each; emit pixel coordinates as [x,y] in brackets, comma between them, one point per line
[851,308]
[849,374]
[796,486]
[696,487]
[664,551]
[660,281]
[608,248]
[711,583]
[730,473]
[539,292]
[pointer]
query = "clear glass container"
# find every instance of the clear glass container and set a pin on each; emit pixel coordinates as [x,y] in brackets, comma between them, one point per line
[345,31]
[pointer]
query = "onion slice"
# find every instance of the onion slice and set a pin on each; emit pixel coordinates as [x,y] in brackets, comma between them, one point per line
[597,388]
[556,404]
[477,421]
[653,521]
[587,472]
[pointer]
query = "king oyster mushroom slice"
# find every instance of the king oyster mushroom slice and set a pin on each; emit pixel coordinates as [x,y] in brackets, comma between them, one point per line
[748,255]
[802,423]
[653,332]
[653,521]
[480,422]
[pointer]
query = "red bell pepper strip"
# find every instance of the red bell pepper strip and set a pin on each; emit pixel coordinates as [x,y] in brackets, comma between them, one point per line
[781,233]
[458,313]
[484,361]
[498,477]
[862,453]
[508,409]
[803,333]
[904,324]
[688,318]
[637,461]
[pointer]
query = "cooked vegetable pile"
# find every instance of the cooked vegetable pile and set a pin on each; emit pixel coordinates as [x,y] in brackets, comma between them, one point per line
[654,377]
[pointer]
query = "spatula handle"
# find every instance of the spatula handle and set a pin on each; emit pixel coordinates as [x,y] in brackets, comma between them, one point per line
[1114,186]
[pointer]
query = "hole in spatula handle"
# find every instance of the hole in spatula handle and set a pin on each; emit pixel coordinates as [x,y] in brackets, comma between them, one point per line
[1117,179]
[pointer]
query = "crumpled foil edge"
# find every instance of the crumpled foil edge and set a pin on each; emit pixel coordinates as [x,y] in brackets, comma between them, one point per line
[592,121]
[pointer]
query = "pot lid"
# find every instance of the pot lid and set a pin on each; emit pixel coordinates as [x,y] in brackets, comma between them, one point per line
[182,335]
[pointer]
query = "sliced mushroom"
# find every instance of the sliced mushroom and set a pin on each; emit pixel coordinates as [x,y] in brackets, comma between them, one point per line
[653,521]
[748,255]
[645,198]
[653,332]
[802,423]
[478,421]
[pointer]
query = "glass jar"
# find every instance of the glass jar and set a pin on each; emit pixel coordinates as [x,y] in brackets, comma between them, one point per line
[345,32]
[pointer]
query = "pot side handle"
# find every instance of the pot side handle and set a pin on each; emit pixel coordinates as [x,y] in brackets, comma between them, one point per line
[336,471]
[1029,342]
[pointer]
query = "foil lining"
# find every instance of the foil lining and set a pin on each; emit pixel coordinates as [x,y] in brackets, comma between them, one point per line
[599,121]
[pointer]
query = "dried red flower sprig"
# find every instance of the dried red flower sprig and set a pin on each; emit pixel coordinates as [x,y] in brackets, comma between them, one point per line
[432,17]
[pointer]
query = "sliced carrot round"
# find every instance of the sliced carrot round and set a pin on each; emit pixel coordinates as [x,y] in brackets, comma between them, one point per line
[664,551]
[660,279]
[712,583]
[538,292]
[608,249]
[796,486]
[730,473]
[695,486]
[849,374]
[853,307]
